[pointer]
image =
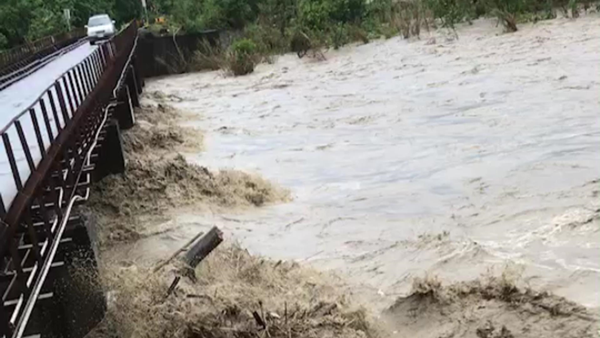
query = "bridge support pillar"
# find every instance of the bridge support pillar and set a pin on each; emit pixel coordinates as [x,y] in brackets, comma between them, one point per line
[111,158]
[124,111]
[138,73]
[134,90]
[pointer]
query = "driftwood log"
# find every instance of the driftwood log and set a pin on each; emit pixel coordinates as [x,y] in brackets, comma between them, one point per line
[182,249]
[203,247]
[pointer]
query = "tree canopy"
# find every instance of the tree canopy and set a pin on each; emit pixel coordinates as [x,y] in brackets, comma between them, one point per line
[273,22]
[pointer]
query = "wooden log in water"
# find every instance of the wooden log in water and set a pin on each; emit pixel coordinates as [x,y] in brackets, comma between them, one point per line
[203,247]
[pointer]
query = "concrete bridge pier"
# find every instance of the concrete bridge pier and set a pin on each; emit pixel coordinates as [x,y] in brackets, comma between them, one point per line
[138,74]
[111,157]
[124,110]
[134,87]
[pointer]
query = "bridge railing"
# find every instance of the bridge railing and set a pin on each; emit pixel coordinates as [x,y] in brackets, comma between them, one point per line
[26,138]
[20,56]
[47,151]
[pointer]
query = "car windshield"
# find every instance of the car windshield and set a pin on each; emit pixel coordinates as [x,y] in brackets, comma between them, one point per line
[98,21]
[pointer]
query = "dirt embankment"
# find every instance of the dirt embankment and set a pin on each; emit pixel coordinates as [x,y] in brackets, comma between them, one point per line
[492,307]
[158,178]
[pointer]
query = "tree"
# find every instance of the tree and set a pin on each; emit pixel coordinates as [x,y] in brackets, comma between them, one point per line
[15,18]
[28,20]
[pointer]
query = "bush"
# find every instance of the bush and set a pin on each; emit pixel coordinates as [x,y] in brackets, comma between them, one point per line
[347,11]
[339,36]
[234,14]
[314,14]
[574,7]
[451,12]
[3,41]
[388,18]
[242,57]
[389,31]
[322,15]
[346,33]
[300,43]
[507,12]
[268,39]
[356,33]
[209,57]
[408,17]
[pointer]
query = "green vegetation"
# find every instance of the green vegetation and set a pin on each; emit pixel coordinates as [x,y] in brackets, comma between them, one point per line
[242,57]
[272,24]
[266,27]
[277,26]
[23,21]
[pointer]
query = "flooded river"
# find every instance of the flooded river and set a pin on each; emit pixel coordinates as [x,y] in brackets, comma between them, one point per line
[438,156]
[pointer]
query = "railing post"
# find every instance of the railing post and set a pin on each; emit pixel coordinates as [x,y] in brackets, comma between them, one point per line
[12,162]
[103,56]
[95,66]
[61,101]
[54,111]
[25,146]
[67,95]
[76,97]
[87,75]
[46,120]
[99,65]
[81,82]
[38,133]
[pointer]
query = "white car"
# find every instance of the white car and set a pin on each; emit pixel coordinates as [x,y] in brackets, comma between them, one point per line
[100,27]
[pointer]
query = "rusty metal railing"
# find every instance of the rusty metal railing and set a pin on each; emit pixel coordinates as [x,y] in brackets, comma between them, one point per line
[49,149]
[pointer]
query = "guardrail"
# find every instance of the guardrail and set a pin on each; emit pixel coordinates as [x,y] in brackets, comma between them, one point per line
[20,56]
[48,148]
[29,134]
[38,62]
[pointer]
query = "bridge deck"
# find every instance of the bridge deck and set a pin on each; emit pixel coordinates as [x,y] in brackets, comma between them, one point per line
[54,136]
[18,97]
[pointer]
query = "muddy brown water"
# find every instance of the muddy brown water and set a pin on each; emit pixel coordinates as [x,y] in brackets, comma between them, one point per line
[446,157]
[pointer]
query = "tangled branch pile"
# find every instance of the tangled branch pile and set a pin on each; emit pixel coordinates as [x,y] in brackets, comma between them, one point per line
[232,284]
